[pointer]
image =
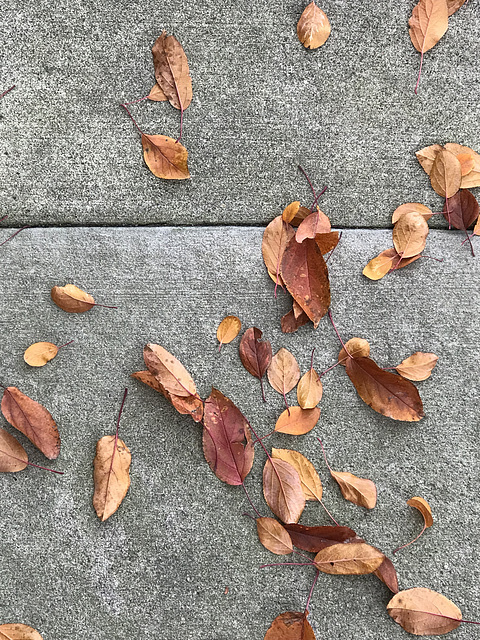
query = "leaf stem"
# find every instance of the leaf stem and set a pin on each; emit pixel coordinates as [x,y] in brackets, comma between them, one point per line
[332,367]
[250,500]
[299,553]
[181,121]
[308,180]
[287,564]
[124,105]
[329,514]
[64,345]
[118,426]
[338,335]
[432,258]
[331,252]
[325,455]
[419,74]
[7,91]
[27,226]
[311,359]
[470,242]
[311,592]
[263,390]
[105,306]
[412,541]
[263,437]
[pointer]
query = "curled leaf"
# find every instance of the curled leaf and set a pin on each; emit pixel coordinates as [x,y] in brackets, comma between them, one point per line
[326,242]
[292,625]
[72,299]
[228,329]
[410,234]
[255,354]
[13,456]
[290,211]
[427,155]
[387,574]
[349,559]
[186,405]
[171,374]
[283,490]
[424,612]
[309,478]
[297,421]
[454,5]
[39,353]
[111,475]
[313,28]
[283,372]
[274,536]
[314,539]
[418,366]
[309,390]
[165,157]
[313,224]
[291,323]
[422,505]
[171,71]
[16,631]
[356,347]
[385,262]
[446,174]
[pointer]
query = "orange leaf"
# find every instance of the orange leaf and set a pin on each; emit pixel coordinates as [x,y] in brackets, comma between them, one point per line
[326,242]
[13,456]
[446,174]
[283,490]
[171,71]
[427,155]
[410,234]
[418,366]
[313,224]
[422,505]
[16,631]
[290,211]
[228,329]
[111,475]
[274,537]
[428,23]
[72,299]
[297,421]
[421,611]
[313,28]
[311,483]
[411,207]
[356,347]
[357,490]
[156,94]
[283,372]
[387,260]
[309,390]
[291,625]
[39,353]
[454,5]
[165,157]
[356,558]
[275,238]
[185,405]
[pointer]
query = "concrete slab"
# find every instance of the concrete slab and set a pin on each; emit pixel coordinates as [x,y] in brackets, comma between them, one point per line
[262,104]
[160,567]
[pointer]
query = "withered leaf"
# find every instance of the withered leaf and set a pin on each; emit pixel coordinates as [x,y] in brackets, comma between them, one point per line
[292,625]
[283,371]
[39,353]
[186,405]
[17,631]
[156,93]
[411,207]
[313,28]
[446,174]
[471,178]
[410,234]
[349,559]
[420,611]
[360,491]
[387,260]
[428,23]
[387,574]
[385,392]
[301,214]
[290,323]
[313,224]
[309,390]
[274,536]
[314,539]
[165,157]
[111,475]
[422,505]
[427,155]
[326,242]
[283,490]
[275,238]
[227,443]
[228,329]
[297,421]
[467,162]
[454,5]
[309,478]
[171,71]
[72,299]
[461,210]
[290,211]
[255,354]
[13,456]
[356,347]
[418,366]
[305,275]
[33,420]
[171,374]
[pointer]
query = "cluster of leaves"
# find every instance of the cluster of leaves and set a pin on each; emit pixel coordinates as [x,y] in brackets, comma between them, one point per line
[453,169]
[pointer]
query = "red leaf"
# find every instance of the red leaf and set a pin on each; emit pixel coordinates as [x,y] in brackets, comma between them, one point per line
[461,210]
[316,538]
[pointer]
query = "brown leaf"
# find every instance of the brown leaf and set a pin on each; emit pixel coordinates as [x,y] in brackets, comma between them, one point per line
[418,366]
[410,234]
[422,505]
[292,625]
[171,71]
[16,631]
[297,421]
[326,242]
[472,178]
[356,347]
[33,420]
[190,405]
[314,539]
[171,374]
[13,456]
[467,162]
[39,353]
[357,490]
[156,94]
[420,611]
[305,275]
[302,213]
[309,390]
[446,174]
[110,475]
[313,224]
[255,354]
[313,28]
[454,5]
[290,323]
[349,559]
[411,207]
[461,210]
[274,536]
[227,443]
[72,299]
[283,372]
[228,329]
[385,392]
[290,211]
[427,155]
[283,490]
[382,264]
[275,238]
[428,23]
[165,157]
[387,574]
[311,483]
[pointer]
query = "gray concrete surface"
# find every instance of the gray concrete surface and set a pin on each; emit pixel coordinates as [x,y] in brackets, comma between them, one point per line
[347,111]
[160,566]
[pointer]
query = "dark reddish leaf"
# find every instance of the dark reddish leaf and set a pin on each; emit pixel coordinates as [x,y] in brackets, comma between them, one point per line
[461,210]
[316,538]
[255,354]
[290,323]
[387,574]
[291,625]
[326,242]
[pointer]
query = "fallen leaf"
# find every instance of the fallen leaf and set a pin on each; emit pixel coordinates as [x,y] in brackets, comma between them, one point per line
[313,224]
[356,347]
[420,611]
[302,213]
[275,238]
[309,390]
[283,372]
[472,178]
[446,174]
[387,574]
[228,329]
[327,242]
[411,207]
[39,353]
[165,157]
[428,23]
[386,261]
[171,71]
[305,275]
[13,456]
[467,162]
[16,631]
[427,155]
[314,539]
[283,490]
[227,443]
[410,234]
[33,420]
[72,299]
[311,483]
[290,211]
[454,5]
[313,28]
[255,354]
[422,505]
[349,559]
[156,94]
[171,374]
[385,392]
[289,323]
[110,475]
[360,491]
[292,625]
[418,366]
[297,421]
[189,405]
[461,210]
[274,536]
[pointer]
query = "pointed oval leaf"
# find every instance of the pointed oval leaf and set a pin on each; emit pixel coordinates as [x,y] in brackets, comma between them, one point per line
[157,94]
[290,211]
[379,266]
[292,625]
[420,611]
[314,539]
[349,559]
[387,573]
[418,366]
[428,23]
[356,347]
[313,28]
[111,475]
[283,371]
[297,421]
[422,505]
[255,354]
[360,491]
[72,299]
[39,353]
[309,390]
[446,174]
[274,536]
[410,234]
[283,490]
[461,210]
[33,420]
[427,155]
[411,207]
[171,374]
[385,392]
[309,478]
[17,631]
[165,157]
[13,456]
[171,71]
[228,329]
[313,224]
[275,238]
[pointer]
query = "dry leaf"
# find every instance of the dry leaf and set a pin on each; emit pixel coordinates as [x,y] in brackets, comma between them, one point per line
[454,5]
[305,275]
[387,260]
[422,505]
[33,420]
[297,421]
[283,372]
[467,162]
[290,323]
[165,157]
[292,625]
[357,490]
[410,234]
[349,559]
[255,354]
[171,374]
[387,574]
[418,366]
[189,405]
[274,536]
[13,456]
[309,390]
[16,631]
[428,23]
[171,71]
[72,299]
[427,155]
[40,353]
[314,539]
[283,490]
[227,443]
[385,392]
[302,213]
[472,178]
[228,329]
[446,174]
[156,94]
[420,611]
[110,475]
[461,210]
[313,28]
[313,224]
[311,483]
[356,347]
[275,238]
[290,211]
[327,242]
[411,207]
